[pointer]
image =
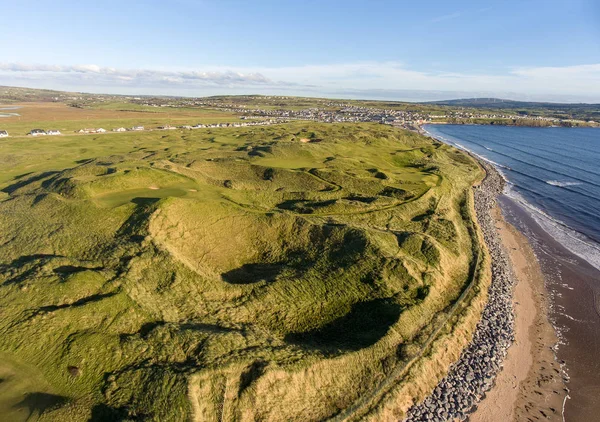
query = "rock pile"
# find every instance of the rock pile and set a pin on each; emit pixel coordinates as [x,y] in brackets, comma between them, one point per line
[474,373]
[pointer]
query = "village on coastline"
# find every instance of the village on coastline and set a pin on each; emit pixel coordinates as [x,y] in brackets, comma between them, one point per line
[329,112]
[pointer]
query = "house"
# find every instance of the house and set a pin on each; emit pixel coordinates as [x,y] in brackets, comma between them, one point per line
[3,134]
[53,132]
[100,130]
[137,128]
[185,127]
[119,129]
[37,132]
[167,127]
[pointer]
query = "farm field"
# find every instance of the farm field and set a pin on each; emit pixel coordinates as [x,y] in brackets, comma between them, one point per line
[67,119]
[229,273]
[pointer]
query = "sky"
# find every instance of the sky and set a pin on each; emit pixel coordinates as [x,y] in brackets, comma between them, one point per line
[394,50]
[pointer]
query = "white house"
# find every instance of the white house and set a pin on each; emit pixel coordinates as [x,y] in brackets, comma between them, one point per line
[137,128]
[37,132]
[100,130]
[119,129]
[3,134]
[53,132]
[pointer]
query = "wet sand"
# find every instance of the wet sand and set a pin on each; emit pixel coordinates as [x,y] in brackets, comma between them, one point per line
[530,385]
[573,295]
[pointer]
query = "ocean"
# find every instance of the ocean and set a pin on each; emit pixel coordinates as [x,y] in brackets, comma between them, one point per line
[553,172]
[553,197]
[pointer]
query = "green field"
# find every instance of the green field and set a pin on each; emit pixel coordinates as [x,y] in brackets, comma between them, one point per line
[224,274]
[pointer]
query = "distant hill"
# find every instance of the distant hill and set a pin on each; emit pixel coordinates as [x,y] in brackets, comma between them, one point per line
[506,104]
[561,110]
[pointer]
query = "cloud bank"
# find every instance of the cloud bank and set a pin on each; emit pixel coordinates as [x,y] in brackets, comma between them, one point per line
[378,80]
[138,76]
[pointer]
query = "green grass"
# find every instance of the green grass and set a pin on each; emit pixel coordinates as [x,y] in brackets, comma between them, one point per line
[229,272]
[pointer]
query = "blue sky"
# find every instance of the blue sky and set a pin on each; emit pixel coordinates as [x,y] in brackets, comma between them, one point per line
[405,50]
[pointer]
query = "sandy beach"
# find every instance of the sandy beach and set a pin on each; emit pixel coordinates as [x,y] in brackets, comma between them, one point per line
[530,382]
[530,386]
[571,290]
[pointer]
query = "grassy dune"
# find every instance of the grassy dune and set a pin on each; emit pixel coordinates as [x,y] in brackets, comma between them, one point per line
[232,274]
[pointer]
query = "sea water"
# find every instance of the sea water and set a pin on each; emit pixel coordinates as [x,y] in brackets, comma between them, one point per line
[552,172]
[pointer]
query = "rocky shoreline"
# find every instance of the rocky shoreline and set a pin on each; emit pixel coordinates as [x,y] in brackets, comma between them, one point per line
[474,373]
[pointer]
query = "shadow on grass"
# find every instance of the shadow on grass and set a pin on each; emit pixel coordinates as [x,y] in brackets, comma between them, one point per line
[17,266]
[77,303]
[363,326]
[136,226]
[295,264]
[40,402]
[364,199]
[397,193]
[11,188]
[72,269]
[251,374]
[146,329]
[253,273]
[304,206]
[104,413]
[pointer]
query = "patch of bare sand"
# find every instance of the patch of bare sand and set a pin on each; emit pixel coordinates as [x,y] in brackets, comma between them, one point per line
[530,386]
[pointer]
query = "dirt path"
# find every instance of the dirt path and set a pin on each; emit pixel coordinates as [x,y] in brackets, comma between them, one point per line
[530,386]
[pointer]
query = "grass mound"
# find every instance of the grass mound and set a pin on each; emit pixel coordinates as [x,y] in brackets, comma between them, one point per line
[236,275]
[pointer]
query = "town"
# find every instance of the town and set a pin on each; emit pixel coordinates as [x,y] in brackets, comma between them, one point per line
[269,110]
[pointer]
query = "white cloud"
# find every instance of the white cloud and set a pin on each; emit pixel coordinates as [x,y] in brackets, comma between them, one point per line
[364,79]
[140,76]
[573,81]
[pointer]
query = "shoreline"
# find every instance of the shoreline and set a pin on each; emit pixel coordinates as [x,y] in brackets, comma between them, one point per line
[530,385]
[526,380]
[512,124]
[571,285]
[576,241]
[473,374]
[571,292]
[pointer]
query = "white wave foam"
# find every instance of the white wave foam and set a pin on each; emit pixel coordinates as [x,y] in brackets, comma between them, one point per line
[562,184]
[577,243]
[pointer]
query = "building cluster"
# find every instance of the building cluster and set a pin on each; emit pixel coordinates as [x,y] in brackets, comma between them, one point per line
[102,130]
[42,132]
[99,130]
[169,127]
[466,115]
[243,124]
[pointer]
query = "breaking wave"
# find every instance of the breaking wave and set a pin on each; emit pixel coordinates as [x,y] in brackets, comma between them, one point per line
[562,184]
[576,242]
